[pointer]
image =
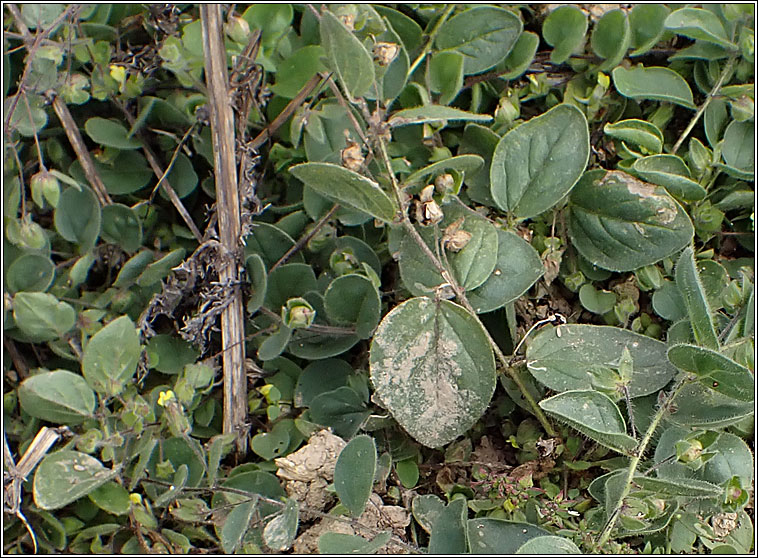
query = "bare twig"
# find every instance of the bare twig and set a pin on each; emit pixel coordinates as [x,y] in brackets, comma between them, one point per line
[229,220]
[82,153]
[303,240]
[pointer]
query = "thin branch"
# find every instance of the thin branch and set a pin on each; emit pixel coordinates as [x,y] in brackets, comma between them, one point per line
[303,240]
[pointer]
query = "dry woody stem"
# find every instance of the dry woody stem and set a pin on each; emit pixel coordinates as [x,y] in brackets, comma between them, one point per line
[228,211]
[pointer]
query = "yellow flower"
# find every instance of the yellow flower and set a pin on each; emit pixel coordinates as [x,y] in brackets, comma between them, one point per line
[135,498]
[164,397]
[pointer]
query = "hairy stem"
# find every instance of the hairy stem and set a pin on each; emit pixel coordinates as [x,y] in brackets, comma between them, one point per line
[660,413]
[460,293]
[701,110]
[430,39]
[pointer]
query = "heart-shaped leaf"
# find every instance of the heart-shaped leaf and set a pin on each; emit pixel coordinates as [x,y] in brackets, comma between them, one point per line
[354,473]
[341,409]
[346,187]
[65,476]
[593,414]
[596,301]
[538,162]
[121,226]
[77,217]
[448,534]
[270,445]
[111,356]
[715,371]
[620,223]
[41,316]
[432,366]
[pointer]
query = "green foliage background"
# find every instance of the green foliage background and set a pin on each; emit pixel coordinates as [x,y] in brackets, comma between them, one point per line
[505,253]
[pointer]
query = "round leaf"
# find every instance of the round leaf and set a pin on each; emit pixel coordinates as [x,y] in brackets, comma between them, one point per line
[432,366]
[646,23]
[121,226]
[620,223]
[111,497]
[41,316]
[517,268]
[295,71]
[30,272]
[65,476]
[77,217]
[341,409]
[484,35]
[564,29]
[111,356]
[610,38]
[538,163]
[110,134]
[548,544]
[319,377]
[354,473]
[353,299]
[270,243]
[60,397]
[488,535]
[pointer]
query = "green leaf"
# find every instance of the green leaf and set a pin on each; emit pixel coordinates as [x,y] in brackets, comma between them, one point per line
[646,24]
[446,74]
[111,497]
[182,178]
[289,281]
[133,268]
[468,164]
[484,35]
[610,38]
[26,122]
[656,83]
[256,275]
[699,24]
[715,371]
[272,19]
[426,509]
[538,162]
[41,15]
[471,266]
[487,535]
[548,544]
[701,406]
[121,226]
[274,443]
[739,146]
[236,525]
[593,414]
[482,141]
[77,217]
[668,302]
[641,133]
[110,134]
[65,476]
[111,356]
[60,397]
[30,272]
[128,173]
[517,268]
[690,488]
[347,56]
[319,377]
[353,300]
[596,301]
[341,409]
[564,29]
[295,71]
[520,57]
[343,543]
[670,172]
[562,361]
[41,316]
[433,113]
[407,471]
[160,269]
[275,343]
[169,354]
[620,223]
[270,243]
[448,534]
[346,187]
[693,294]
[354,473]
[432,366]
[280,531]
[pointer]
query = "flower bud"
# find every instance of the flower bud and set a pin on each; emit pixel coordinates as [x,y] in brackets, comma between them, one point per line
[238,29]
[298,313]
[45,186]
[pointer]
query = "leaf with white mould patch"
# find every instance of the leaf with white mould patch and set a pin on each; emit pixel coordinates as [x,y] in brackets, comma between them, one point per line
[433,368]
